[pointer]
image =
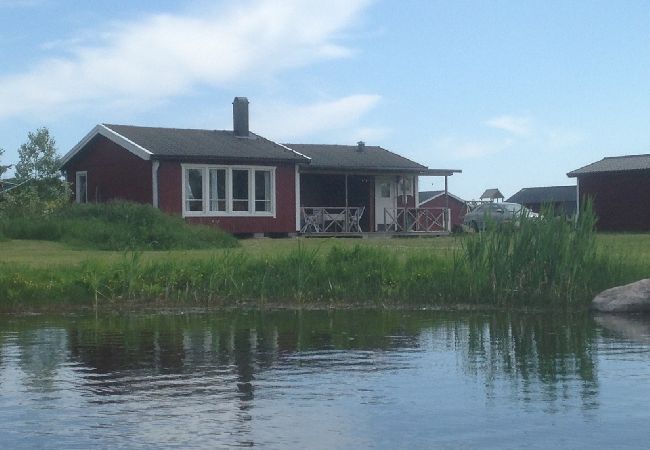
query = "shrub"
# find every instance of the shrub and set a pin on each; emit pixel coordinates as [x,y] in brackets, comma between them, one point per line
[115,225]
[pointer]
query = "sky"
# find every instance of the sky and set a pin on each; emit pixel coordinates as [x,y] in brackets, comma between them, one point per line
[515,94]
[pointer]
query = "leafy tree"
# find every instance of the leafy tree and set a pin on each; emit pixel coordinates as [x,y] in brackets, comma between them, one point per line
[37,158]
[3,169]
[40,189]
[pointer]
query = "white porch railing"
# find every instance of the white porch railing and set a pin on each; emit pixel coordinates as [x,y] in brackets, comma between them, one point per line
[417,219]
[339,219]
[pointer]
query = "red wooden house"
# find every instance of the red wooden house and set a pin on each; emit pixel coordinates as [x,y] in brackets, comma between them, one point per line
[244,183]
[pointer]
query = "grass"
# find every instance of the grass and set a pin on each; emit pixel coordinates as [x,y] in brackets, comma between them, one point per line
[632,248]
[545,262]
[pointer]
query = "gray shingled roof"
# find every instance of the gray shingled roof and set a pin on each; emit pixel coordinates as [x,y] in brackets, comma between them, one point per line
[348,157]
[548,194]
[614,164]
[191,143]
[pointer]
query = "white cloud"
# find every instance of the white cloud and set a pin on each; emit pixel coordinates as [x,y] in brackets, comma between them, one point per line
[289,122]
[164,55]
[462,149]
[521,134]
[519,126]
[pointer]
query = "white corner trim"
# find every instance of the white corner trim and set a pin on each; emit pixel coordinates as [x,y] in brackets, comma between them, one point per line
[111,135]
[297,188]
[154,182]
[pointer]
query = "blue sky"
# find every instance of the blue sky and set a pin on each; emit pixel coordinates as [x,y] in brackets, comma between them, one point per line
[515,94]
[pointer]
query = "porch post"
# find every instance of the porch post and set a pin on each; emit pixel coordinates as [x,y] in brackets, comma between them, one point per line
[403,201]
[447,212]
[345,228]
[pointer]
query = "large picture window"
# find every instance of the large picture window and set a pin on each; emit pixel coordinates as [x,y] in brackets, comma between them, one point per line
[229,190]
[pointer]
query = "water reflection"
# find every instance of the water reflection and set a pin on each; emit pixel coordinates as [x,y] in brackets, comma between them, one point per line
[233,377]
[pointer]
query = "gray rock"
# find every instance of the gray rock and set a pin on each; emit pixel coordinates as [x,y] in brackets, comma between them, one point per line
[632,298]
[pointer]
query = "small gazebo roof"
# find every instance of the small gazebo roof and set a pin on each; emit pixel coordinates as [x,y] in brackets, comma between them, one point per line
[492,194]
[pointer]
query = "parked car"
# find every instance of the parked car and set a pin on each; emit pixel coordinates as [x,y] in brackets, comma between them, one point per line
[498,213]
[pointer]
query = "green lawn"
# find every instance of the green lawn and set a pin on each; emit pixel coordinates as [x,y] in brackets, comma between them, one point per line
[47,254]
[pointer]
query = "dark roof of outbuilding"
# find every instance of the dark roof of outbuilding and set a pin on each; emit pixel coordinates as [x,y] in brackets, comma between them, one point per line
[547,194]
[193,143]
[349,157]
[492,194]
[614,164]
[428,195]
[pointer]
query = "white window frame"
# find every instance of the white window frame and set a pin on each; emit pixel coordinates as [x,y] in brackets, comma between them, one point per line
[205,212]
[77,183]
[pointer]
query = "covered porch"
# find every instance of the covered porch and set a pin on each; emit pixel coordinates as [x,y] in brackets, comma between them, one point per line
[354,203]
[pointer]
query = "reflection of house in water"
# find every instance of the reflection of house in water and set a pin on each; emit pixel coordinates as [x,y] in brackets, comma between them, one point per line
[226,363]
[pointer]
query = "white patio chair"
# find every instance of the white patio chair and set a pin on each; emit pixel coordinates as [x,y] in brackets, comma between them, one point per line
[312,221]
[356,214]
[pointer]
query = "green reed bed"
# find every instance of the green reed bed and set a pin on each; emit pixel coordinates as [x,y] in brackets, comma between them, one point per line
[541,262]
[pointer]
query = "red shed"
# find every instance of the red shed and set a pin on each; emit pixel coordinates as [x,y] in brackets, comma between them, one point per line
[438,199]
[620,190]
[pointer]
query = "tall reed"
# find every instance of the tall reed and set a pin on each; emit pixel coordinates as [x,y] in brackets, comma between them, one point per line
[545,259]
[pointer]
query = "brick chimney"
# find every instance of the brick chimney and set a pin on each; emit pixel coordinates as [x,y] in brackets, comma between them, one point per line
[240,116]
[361,146]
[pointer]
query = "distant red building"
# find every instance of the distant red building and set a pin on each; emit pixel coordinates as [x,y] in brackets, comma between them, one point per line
[438,199]
[620,190]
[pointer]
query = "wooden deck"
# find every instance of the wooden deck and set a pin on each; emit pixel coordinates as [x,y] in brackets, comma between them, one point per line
[377,234]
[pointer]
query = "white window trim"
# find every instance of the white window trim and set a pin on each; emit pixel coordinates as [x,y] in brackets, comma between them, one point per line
[78,175]
[229,212]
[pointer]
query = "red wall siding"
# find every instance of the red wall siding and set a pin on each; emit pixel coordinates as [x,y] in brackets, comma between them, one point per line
[170,201]
[113,173]
[170,187]
[621,200]
[457,208]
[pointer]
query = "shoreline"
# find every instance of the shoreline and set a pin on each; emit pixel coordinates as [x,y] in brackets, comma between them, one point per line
[174,308]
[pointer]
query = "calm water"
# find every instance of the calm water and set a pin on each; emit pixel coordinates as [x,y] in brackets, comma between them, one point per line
[325,379]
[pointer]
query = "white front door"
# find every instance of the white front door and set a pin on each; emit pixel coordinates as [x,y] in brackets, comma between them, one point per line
[385,197]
